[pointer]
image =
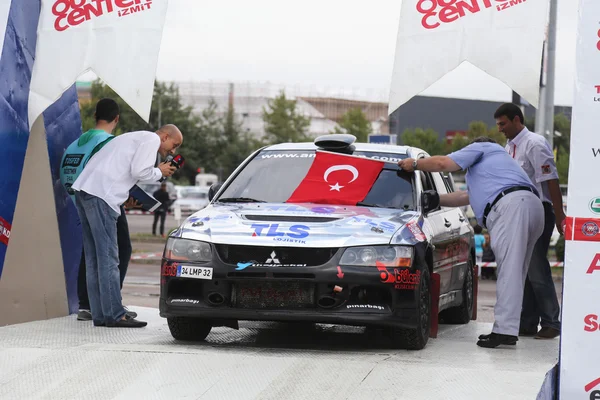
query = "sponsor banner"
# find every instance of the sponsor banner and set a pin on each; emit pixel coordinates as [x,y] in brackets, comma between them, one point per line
[117,39]
[4,10]
[580,372]
[4,231]
[62,121]
[436,36]
[15,63]
[494,265]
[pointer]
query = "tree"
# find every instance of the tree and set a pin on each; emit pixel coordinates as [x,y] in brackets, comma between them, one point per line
[283,123]
[427,140]
[476,129]
[562,125]
[201,133]
[355,122]
[233,145]
[562,166]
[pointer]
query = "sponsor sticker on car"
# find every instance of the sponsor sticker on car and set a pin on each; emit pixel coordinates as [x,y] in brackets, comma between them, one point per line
[184,271]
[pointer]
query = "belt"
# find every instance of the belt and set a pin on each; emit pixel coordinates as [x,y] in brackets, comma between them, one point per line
[489,206]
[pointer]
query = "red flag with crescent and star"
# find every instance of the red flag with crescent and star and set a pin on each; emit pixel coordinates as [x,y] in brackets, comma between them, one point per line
[337,179]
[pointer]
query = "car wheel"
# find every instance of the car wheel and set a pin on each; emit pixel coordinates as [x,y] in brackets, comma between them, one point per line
[416,339]
[462,314]
[185,328]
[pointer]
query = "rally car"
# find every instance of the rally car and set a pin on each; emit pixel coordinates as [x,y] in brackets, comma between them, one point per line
[252,255]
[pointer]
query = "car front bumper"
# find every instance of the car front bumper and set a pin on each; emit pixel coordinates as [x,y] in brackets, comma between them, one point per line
[324,294]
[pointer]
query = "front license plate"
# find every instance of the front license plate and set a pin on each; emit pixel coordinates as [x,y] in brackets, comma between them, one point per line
[194,272]
[263,295]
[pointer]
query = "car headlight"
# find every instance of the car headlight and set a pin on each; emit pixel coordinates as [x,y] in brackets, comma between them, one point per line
[370,256]
[187,250]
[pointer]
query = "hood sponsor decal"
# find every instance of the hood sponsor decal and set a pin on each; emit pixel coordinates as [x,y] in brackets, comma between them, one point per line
[293,234]
[415,229]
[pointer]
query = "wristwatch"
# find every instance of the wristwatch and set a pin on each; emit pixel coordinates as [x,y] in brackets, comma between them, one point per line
[414,165]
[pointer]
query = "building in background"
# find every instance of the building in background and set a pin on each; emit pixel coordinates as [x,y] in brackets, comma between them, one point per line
[448,116]
[325,107]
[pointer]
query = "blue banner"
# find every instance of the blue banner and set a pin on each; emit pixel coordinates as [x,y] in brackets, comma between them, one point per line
[16,64]
[63,126]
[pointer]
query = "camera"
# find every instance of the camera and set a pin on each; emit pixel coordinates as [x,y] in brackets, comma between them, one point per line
[178,161]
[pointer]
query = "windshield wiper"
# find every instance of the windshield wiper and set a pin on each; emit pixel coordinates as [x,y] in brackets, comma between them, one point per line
[239,200]
[360,203]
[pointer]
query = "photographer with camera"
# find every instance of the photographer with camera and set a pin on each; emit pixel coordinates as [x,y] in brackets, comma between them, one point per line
[101,188]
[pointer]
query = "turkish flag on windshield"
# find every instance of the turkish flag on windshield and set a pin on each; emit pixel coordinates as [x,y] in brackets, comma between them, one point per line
[337,179]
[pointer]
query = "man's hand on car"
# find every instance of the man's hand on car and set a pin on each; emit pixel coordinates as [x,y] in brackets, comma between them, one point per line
[167,169]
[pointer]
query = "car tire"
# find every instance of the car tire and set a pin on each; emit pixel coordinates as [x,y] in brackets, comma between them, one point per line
[463,313]
[416,339]
[189,329]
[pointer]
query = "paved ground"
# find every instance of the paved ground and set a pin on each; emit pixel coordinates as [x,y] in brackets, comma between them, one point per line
[67,359]
[143,223]
[63,358]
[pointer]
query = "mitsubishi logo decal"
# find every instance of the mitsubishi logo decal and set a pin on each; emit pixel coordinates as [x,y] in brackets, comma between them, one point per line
[273,259]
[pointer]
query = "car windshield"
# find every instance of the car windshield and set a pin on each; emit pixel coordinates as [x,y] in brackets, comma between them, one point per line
[272,176]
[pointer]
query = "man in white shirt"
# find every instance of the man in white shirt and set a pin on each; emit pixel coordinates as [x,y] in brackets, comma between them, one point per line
[533,153]
[101,188]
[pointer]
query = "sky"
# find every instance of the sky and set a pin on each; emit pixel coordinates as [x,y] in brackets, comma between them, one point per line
[323,43]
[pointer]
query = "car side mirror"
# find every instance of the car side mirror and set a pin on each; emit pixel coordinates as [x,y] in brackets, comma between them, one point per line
[214,188]
[430,200]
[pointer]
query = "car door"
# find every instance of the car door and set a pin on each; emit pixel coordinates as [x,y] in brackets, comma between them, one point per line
[442,221]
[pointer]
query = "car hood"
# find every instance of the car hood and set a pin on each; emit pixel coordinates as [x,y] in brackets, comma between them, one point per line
[306,225]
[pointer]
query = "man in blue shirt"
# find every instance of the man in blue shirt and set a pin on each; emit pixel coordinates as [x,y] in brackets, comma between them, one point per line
[505,202]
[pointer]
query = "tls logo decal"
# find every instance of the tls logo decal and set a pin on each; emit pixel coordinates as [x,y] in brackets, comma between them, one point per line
[293,234]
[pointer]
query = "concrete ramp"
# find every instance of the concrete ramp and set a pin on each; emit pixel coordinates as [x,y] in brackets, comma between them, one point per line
[64,358]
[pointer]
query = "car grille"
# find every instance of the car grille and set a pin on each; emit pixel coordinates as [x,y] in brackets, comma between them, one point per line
[285,255]
[265,295]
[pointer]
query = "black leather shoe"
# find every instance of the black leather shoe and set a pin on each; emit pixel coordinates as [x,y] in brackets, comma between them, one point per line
[547,333]
[496,339]
[528,332]
[132,314]
[127,322]
[84,315]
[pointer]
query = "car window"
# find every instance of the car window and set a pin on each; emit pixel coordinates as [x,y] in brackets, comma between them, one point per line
[440,185]
[272,176]
[448,183]
[427,182]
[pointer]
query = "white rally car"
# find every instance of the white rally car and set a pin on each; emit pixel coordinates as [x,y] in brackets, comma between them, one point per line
[250,255]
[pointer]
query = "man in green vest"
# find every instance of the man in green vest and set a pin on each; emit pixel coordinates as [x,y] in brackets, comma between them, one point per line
[74,160]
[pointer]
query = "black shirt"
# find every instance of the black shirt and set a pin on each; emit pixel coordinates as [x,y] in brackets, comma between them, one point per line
[164,198]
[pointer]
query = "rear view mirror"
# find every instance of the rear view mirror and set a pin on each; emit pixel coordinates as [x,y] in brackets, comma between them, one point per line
[430,200]
[214,188]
